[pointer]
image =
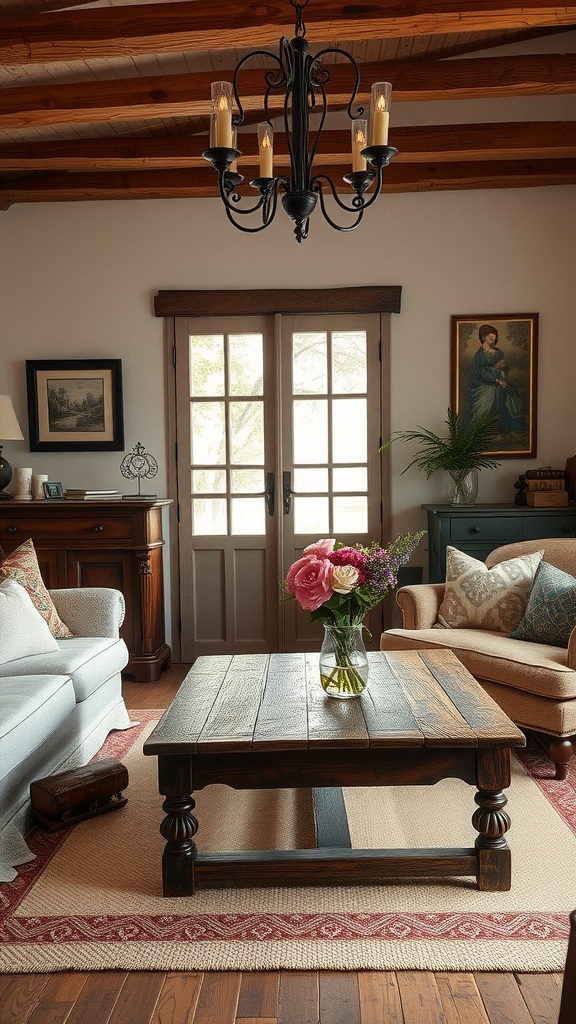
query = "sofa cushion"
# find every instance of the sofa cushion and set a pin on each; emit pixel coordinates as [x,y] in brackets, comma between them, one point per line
[483,598]
[32,708]
[22,565]
[550,614]
[89,661]
[489,655]
[23,631]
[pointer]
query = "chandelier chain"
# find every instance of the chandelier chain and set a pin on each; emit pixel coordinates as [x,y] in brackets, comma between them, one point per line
[299,27]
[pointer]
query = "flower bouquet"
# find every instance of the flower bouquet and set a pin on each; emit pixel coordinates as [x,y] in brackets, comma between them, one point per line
[339,585]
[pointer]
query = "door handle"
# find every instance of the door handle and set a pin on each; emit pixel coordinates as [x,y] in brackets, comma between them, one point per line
[270,493]
[287,492]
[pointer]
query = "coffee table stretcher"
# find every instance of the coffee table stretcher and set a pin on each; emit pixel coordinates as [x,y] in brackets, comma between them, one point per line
[397,756]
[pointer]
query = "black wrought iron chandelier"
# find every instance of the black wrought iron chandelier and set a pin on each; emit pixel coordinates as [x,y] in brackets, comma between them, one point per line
[302,78]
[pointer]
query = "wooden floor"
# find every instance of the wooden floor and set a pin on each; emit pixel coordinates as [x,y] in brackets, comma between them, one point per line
[276,997]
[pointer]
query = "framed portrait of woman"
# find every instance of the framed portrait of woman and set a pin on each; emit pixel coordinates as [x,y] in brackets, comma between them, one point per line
[494,362]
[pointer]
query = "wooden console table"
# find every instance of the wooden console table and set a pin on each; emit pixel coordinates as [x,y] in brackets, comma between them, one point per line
[478,529]
[102,544]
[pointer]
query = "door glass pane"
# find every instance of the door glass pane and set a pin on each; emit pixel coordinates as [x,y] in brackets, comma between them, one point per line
[349,362]
[248,516]
[349,432]
[206,365]
[208,433]
[309,366]
[310,426]
[209,516]
[208,481]
[311,515]
[247,432]
[352,478]
[246,366]
[311,480]
[247,481]
[350,515]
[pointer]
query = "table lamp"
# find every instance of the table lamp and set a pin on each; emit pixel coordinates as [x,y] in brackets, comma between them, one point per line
[9,431]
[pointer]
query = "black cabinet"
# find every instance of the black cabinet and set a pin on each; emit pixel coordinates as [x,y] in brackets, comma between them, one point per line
[478,529]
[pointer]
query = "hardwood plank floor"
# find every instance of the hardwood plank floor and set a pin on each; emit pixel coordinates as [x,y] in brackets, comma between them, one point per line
[273,997]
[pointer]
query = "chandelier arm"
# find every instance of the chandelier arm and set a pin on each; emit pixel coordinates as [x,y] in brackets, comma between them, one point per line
[267,203]
[238,119]
[320,86]
[339,227]
[326,77]
[228,204]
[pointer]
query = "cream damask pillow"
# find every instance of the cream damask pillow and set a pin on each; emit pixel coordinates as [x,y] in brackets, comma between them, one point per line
[480,598]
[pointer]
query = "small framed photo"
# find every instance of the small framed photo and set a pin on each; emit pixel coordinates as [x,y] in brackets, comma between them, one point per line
[494,362]
[53,490]
[75,405]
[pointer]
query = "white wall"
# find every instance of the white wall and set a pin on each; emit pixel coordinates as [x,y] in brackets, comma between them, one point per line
[77,280]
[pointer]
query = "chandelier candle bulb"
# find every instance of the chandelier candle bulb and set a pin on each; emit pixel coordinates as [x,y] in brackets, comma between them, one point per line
[359,142]
[265,145]
[380,106]
[222,107]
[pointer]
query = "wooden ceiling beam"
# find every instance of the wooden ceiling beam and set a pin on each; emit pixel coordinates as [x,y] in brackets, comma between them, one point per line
[527,140]
[132,30]
[189,95]
[200,184]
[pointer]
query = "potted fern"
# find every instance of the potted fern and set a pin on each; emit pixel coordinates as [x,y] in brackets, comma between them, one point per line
[461,454]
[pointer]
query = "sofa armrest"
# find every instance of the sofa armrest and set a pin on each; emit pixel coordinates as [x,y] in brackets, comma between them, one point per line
[90,611]
[420,604]
[571,653]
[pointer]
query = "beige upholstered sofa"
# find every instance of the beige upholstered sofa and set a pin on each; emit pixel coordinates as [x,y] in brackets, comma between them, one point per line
[533,683]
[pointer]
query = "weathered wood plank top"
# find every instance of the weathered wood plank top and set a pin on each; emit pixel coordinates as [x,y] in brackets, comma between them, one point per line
[275,702]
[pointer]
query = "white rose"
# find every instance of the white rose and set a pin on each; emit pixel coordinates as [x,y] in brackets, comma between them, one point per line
[344,578]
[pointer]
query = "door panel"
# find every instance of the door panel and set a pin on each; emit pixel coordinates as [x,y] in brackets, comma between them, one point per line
[278,428]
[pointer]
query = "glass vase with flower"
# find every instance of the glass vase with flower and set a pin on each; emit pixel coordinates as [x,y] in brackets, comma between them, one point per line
[339,585]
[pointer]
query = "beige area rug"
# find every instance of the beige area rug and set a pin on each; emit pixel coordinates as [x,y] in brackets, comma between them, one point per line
[92,899]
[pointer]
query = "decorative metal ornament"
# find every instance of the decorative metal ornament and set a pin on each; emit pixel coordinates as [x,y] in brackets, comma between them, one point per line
[302,79]
[140,465]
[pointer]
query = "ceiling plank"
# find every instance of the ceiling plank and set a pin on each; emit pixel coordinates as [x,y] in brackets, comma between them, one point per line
[132,30]
[189,95]
[200,184]
[528,140]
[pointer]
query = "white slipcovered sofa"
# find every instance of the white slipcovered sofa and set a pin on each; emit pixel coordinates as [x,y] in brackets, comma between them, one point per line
[57,708]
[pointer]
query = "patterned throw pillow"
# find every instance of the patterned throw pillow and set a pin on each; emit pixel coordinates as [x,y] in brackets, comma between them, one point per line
[550,614]
[477,597]
[23,632]
[22,566]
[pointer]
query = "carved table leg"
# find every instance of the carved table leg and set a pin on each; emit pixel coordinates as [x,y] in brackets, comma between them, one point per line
[178,828]
[492,822]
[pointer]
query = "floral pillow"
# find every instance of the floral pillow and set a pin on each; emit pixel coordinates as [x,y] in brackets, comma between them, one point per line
[477,597]
[22,566]
[550,614]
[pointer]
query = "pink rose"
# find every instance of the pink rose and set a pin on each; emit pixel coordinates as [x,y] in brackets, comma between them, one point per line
[311,583]
[321,548]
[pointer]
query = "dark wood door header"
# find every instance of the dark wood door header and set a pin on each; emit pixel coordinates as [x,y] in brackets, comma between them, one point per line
[278,300]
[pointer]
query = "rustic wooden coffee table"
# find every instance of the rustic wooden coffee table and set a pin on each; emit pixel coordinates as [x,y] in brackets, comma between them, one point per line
[264,722]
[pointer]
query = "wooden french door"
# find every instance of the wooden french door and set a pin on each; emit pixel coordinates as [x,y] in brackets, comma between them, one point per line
[278,422]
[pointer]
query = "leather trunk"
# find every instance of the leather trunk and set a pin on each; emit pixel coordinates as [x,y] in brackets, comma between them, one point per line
[61,800]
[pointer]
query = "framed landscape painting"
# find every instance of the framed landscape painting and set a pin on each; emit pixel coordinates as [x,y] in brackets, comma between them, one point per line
[75,405]
[494,362]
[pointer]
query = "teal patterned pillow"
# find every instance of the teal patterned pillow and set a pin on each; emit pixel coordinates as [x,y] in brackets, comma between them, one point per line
[550,614]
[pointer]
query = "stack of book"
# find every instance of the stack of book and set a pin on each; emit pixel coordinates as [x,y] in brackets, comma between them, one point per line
[82,494]
[542,488]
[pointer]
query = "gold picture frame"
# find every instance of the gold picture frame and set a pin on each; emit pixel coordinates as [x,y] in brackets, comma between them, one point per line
[494,363]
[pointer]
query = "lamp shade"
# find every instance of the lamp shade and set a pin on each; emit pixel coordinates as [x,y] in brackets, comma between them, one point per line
[9,426]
